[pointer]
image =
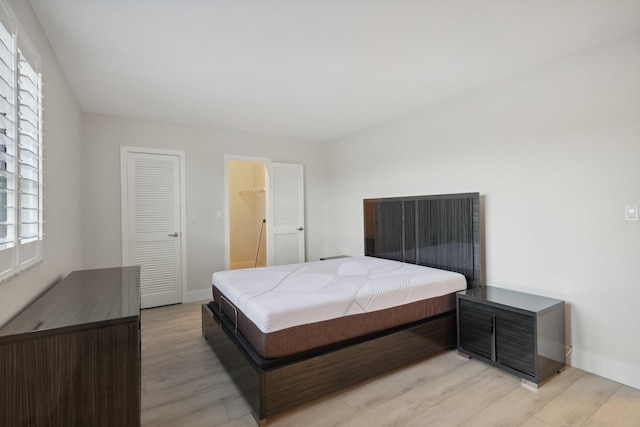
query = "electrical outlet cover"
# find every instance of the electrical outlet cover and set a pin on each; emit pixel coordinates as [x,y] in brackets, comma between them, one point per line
[631,213]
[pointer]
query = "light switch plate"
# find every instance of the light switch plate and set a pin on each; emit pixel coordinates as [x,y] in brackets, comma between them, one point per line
[631,213]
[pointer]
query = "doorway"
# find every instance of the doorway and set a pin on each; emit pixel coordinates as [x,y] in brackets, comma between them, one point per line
[267,205]
[247,198]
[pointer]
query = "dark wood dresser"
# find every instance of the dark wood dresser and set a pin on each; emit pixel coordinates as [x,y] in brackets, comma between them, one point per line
[521,333]
[72,358]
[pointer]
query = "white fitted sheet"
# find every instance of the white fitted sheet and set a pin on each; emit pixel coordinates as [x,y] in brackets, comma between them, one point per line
[280,297]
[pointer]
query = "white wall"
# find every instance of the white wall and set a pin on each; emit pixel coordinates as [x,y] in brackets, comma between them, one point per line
[555,153]
[62,126]
[205,149]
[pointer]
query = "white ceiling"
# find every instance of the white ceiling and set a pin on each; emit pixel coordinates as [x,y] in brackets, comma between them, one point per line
[308,69]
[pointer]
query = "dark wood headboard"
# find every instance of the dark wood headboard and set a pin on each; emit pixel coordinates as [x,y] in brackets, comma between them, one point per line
[440,231]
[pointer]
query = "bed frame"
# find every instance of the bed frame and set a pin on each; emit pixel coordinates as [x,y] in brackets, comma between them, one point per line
[441,231]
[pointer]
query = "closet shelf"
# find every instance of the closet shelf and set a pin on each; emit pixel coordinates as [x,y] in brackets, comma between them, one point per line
[253,191]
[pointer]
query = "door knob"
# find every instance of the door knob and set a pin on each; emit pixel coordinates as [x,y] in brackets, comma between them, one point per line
[300,228]
[173,235]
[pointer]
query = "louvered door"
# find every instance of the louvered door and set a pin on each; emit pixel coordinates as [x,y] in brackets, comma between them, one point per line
[154,234]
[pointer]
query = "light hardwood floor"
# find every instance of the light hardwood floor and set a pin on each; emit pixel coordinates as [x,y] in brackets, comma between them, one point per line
[183,384]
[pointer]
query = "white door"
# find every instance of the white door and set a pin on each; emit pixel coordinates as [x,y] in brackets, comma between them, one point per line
[286,196]
[152,232]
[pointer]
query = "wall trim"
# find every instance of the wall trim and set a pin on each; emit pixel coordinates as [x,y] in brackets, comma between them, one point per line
[199,295]
[615,370]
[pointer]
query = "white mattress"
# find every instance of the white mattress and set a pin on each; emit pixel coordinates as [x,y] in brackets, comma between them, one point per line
[280,297]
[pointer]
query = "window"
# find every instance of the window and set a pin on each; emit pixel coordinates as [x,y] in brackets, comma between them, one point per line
[21,219]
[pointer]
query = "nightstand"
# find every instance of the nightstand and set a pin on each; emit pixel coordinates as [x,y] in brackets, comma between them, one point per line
[521,333]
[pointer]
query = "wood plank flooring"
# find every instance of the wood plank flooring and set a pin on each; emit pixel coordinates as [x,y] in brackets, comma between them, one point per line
[183,384]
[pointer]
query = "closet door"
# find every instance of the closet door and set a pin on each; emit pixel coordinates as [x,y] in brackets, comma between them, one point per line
[286,239]
[152,232]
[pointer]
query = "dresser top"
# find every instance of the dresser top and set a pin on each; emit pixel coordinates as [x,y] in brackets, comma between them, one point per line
[86,297]
[514,299]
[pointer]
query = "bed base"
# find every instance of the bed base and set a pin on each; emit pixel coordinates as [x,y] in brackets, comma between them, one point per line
[278,387]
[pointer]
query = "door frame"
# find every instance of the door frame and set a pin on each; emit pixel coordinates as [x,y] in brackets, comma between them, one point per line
[124,205]
[227,227]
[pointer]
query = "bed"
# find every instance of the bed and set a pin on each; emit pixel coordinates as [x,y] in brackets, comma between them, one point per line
[367,315]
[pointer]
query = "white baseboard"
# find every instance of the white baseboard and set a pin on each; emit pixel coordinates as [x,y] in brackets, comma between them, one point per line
[199,295]
[615,370]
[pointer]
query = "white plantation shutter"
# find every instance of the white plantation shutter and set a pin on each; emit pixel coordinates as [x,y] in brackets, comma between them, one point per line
[21,214]
[7,152]
[29,163]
